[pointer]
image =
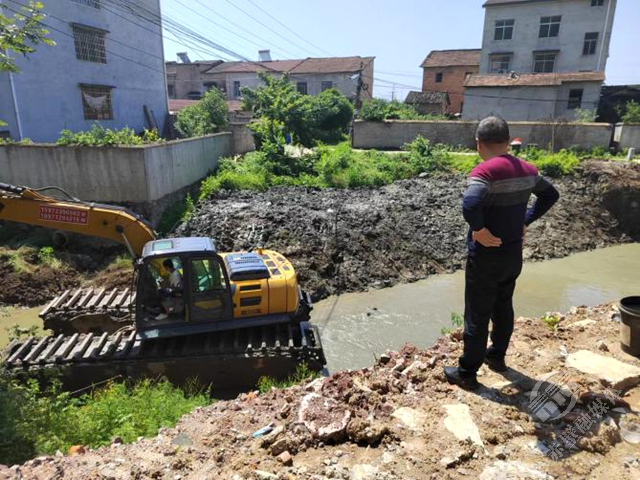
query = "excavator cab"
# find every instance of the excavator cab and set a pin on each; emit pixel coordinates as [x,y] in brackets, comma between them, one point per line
[182,286]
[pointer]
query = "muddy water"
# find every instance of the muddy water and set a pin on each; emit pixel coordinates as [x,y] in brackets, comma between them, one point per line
[24,317]
[357,326]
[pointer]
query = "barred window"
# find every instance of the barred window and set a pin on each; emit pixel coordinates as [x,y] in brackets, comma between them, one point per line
[90,44]
[96,102]
[88,3]
[499,63]
[544,62]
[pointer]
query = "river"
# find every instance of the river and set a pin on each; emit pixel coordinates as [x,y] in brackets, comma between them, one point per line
[357,326]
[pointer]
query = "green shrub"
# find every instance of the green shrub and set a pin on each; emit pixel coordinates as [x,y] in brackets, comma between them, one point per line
[269,134]
[553,164]
[585,115]
[551,321]
[180,211]
[631,112]
[457,321]
[378,110]
[207,116]
[425,157]
[99,136]
[34,421]
[46,256]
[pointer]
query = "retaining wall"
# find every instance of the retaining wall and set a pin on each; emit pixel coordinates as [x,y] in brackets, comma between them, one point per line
[393,134]
[627,135]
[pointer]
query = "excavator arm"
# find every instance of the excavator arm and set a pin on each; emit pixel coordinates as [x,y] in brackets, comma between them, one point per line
[32,207]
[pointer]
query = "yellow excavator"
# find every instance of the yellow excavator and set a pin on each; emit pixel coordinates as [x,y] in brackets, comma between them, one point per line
[225,319]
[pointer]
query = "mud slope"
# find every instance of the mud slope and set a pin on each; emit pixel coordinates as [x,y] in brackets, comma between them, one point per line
[348,240]
[399,420]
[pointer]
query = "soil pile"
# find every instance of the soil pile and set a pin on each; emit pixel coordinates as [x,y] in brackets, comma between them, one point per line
[350,240]
[400,420]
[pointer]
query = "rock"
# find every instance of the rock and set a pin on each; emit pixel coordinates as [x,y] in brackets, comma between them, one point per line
[324,417]
[271,437]
[314,385]
[501,470]
[460,423]
[413,419]
[182,440]
[384,359]
[361,431]
[282,445]
[285,458]
[387,457]
[606,435]
[262,475]
[76,450]
[609,371]
[602,346]
[364,472]
[500,452]
[117,441]
[580,324]
[448,462]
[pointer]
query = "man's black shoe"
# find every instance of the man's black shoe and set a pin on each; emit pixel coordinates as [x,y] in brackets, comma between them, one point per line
[496,364]
[453,376]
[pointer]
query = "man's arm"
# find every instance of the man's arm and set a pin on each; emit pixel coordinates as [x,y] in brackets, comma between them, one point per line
[477,190]
[547,196]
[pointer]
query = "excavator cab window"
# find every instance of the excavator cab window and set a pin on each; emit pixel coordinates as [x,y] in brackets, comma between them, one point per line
[210,298]
[161,290]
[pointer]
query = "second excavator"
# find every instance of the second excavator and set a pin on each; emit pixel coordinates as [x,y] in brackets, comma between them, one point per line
[225,319]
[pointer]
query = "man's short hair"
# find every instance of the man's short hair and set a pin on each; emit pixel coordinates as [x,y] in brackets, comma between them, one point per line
[493,130]
[168,263]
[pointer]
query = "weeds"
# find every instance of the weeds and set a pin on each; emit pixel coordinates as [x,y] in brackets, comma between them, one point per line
[16,332]
[180,211]
[302,374]
[99,136]
[551,321]
[34,421]
[46,256]
[457,321]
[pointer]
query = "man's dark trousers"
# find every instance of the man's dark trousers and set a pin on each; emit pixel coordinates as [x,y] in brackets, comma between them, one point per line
[490,279]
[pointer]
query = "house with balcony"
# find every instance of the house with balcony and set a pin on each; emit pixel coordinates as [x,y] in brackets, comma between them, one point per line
[107,67]
[541,59]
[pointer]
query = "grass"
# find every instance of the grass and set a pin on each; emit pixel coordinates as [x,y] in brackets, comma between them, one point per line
[19,260]
[302,374]
[551,321]
[457,321]
[35,421]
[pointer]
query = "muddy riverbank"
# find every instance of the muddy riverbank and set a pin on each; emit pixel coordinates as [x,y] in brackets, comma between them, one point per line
[351,240]
[399,419]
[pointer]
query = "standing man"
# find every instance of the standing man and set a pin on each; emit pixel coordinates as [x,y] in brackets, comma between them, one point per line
[495,207]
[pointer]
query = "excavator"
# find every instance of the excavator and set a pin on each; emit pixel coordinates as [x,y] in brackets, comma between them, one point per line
[191,313]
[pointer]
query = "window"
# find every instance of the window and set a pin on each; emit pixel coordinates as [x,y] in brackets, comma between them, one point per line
[88,3]
[90,44]
[302,87]
[171,90]
[575,99]
[206,276]
[96,102]
[439,77]
[544,62]
[236,89]
[504,30]
[597,3]
[194,95]
[210,85]
[550,26]
[590,43]
[326,85]
[499,63]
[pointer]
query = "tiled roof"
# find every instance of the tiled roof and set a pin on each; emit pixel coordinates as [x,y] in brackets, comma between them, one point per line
[301,66]
[451,58]
[532,79]
[489,3]
[427,97]
[175,105]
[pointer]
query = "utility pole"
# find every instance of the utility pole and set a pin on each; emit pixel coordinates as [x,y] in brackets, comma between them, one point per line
[393,93]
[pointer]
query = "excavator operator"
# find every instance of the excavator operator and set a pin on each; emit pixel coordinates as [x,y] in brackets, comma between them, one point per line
[171,291]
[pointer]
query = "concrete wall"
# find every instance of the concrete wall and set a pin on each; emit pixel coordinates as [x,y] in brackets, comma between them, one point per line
[47,90]
[130,175]
[578,18]
[243,140]
[528,103]
[393,134]
[628,136]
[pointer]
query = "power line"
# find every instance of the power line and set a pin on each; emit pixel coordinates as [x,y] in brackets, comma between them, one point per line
[288,28]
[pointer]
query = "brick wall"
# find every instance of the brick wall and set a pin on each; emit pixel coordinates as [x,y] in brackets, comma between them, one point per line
[452,82]
[393,134]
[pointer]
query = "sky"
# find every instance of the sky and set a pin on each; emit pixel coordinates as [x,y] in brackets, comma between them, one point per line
[399,33]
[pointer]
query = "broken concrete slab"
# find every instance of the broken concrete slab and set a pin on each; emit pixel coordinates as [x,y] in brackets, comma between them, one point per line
[513,471]
[412,418]
[459,422]
[609,371]
[324,417]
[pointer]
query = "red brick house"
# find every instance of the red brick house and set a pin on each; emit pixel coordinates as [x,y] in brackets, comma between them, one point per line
[446,71]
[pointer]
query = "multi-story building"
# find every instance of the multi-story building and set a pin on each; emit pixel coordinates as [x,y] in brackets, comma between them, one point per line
[352,76]
[107,66]
[446,71]
[541,59]
[186,79]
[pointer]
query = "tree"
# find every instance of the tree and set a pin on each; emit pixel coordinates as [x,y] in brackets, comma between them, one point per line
[631,112]
[207,116]
[19,34]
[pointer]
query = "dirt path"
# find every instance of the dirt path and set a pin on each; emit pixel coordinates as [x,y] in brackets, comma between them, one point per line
[350,240]
[400,420]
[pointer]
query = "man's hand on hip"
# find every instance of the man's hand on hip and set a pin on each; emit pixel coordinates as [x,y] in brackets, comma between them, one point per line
[485,238]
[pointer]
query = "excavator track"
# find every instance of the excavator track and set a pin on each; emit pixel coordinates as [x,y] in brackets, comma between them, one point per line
[231,360]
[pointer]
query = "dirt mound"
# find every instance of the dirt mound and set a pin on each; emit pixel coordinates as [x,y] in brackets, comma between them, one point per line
[350,240]
[396,420]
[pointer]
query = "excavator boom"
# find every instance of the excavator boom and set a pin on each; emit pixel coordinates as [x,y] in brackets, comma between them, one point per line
[32,207]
